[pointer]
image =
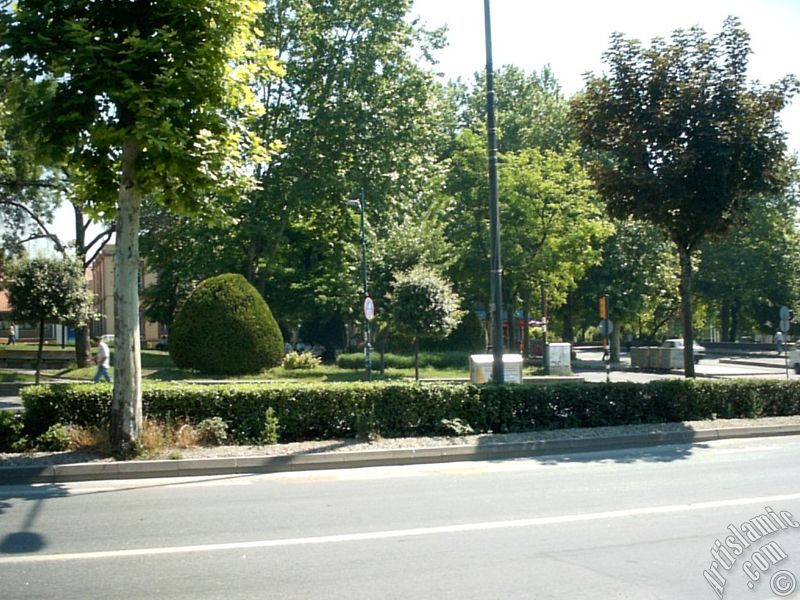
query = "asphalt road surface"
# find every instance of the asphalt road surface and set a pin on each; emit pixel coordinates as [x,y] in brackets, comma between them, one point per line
[634,524]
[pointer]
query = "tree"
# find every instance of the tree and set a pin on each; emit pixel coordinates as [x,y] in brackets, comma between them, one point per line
[552,222]
[141,98]
[356,110]
[747,275]
[45,290]
[423,305]
[225,326]
[682,140]
[531,109]
[357,113]
[639,274]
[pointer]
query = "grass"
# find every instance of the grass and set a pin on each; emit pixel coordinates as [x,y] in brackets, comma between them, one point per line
[158,366]
[13,377]
[26,347]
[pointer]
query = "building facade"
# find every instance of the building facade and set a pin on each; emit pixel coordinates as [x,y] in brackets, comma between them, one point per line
[102,282]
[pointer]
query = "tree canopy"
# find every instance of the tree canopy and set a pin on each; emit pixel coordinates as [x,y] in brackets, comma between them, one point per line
[141,98]
[681,139]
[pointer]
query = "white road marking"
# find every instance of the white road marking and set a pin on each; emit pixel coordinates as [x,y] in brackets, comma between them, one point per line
[398,533]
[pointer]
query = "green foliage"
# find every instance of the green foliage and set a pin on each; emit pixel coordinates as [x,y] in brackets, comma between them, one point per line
[684,142]
[225,327]
[432,360]
[335,411]
[49,290]
[639,273]
[212,431]
[680,139]
[457,427]
[300,360]
[169,78]
[55,439]
[423,304]
[11,427]
[272,430]
[469,336]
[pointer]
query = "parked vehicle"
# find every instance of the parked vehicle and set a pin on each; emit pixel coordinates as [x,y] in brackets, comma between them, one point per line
[699,351]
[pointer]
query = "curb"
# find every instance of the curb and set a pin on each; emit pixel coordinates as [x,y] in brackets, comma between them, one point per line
[54,474]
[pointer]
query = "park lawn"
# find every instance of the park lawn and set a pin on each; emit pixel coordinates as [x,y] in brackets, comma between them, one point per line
[14,377]
[152,371]
[34,348]
[158,366]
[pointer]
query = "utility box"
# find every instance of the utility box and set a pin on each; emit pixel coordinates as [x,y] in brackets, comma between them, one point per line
[559,359]
[480,368]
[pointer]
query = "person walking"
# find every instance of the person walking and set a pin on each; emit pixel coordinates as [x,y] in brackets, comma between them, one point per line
[103,360]
[12,335]
[779,342]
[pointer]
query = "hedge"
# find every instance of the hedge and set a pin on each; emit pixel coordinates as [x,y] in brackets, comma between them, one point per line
[435,360]
[342,410]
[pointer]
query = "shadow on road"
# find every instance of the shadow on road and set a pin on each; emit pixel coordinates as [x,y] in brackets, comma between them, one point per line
[658,442]
[654,454]
[26,541]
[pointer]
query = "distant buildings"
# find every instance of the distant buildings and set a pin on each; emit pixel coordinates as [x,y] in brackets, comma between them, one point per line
[101,275]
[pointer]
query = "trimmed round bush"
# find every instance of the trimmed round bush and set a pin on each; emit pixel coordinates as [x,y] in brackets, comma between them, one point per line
[225,327]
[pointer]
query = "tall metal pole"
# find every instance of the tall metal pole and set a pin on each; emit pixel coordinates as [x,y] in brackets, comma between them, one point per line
[494,211]
[545,327]
[367,332]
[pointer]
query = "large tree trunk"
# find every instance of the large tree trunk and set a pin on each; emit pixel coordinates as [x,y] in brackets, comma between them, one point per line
[615,342]
[526,318]
[39,352]
[83,353]
[736,310]
[725,320]
[686,310]
[416,359]
[126,408]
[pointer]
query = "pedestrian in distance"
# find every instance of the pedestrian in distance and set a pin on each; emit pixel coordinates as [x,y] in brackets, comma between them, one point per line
[103,360]
[779,341]
[12,335]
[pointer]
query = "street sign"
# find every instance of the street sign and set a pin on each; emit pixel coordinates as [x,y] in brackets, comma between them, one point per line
[369,309]
[606,327]
[784,313]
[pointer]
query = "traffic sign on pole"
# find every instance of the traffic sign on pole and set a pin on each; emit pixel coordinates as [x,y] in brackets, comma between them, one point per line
[606,327]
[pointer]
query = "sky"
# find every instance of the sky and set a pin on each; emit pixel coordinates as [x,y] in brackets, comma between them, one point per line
[571,36]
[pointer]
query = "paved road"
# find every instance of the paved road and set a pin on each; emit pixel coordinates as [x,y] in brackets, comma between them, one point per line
[718,367]
[621,524]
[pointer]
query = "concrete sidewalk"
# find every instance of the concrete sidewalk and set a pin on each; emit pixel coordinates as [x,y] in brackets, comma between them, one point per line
[433,450]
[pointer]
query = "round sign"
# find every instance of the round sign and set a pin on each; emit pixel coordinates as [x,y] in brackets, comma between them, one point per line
[369,309]
[606,327]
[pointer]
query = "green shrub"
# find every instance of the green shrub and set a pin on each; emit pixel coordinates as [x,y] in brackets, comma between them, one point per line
[271,433]
[343,410]
[225,327]
[432,360]
[56,439]
[11,427]
[212,432]
[300,360]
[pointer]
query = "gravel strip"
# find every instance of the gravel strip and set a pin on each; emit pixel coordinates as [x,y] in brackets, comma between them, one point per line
[328,446]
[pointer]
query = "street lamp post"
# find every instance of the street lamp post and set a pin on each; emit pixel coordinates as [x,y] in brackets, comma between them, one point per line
[360,204]
[494,210]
